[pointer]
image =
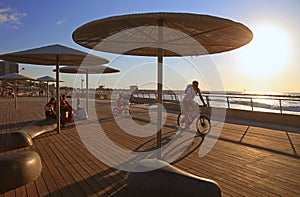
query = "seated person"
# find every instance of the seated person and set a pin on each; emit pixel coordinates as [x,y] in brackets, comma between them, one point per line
[80,113]
[66,108]
[50,109]
[78,104]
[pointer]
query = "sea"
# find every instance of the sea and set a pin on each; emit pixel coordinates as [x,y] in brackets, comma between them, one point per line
[274,102]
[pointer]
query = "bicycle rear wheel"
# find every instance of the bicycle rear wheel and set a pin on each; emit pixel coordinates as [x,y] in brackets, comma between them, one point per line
[203,125]
[116,111]
[181,122]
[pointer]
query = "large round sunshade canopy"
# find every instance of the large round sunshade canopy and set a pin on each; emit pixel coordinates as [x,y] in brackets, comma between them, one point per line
[16,76]
[88,69]
[49,55]
[160,35]
[137,34]
[54,55]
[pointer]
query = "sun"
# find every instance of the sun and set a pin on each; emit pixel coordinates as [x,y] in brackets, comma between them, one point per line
[267,54]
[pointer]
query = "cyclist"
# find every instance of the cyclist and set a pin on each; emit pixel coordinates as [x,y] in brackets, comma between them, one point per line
[121,101]
[189,105]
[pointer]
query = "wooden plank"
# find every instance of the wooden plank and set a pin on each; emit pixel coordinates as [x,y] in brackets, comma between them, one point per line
[31,189]
[85,159]
[47,176]
[41,185]
[244,161]
[73,171]
[52,172]
[20,191]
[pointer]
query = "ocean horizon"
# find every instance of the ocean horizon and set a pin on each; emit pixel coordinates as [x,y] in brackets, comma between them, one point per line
[274,102]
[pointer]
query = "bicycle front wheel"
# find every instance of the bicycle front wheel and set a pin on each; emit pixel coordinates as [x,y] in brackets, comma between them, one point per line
[203,125]
[181,122]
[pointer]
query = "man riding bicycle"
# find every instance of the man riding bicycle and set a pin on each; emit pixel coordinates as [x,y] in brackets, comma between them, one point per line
[189,105]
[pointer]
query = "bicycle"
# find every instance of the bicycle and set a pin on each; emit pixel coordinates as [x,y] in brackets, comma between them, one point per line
[202,124]
[122,108]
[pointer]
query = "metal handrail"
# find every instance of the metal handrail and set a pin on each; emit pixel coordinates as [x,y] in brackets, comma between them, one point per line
[251,100]
[208,97]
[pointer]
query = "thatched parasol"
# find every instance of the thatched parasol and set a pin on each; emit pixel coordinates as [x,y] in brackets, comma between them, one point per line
[162,35]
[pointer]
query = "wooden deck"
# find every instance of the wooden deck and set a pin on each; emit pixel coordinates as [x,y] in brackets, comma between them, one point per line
[245,161]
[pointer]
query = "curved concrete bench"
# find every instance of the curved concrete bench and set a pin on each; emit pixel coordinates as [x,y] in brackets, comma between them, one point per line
[168,180]
[24,136]
[19,169]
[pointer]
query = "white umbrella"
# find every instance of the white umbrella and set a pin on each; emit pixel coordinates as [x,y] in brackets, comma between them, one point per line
[54,55]
[16,77]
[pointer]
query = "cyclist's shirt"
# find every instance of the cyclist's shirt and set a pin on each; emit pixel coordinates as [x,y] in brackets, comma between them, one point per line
[190,93]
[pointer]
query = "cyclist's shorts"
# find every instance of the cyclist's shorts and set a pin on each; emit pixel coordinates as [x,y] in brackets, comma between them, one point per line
[188,105]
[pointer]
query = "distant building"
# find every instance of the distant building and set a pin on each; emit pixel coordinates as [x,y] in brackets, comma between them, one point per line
[8,67]
[133,88]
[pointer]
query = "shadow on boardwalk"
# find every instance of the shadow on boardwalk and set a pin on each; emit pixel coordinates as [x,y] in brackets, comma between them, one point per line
[245,161]
[277,142]
[114,185]
[294,154]
[15,126]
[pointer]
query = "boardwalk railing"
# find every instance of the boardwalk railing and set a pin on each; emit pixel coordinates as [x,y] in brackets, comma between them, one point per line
[256,103]
[284,104]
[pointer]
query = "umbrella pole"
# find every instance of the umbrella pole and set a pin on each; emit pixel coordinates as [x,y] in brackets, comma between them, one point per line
[159,109]
[159,87]
[15,93]
[57,95]
[47,91]
[87,92]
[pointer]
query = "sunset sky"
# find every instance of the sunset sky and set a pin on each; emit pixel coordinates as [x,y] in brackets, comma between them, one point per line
[270,62]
